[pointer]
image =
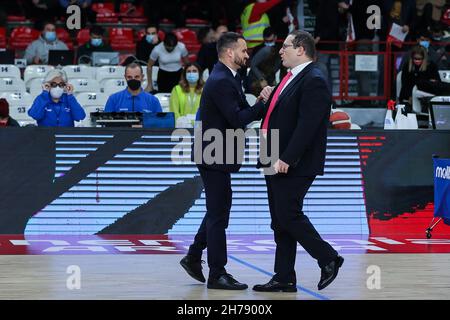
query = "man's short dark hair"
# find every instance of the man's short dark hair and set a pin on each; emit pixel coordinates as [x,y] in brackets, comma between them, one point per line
[304,39]
[228,40]
[97,30]
[268,32]
[134,65]
[171,40]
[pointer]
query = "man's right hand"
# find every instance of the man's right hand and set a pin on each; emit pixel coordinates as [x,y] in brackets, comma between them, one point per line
[265,93]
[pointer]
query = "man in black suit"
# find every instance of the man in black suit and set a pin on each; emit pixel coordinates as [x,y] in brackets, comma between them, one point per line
[299,108]
[223,107]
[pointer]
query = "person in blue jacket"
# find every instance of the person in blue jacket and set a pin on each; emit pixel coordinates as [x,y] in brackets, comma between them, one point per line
[56,106]
[133,98]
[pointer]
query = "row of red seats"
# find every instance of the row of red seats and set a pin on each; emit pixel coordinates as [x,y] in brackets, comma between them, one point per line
[121,39]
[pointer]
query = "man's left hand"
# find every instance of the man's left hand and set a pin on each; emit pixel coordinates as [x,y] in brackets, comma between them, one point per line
[281,166]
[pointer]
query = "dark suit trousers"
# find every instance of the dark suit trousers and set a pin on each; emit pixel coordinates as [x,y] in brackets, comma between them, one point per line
[291,225]
[211,233]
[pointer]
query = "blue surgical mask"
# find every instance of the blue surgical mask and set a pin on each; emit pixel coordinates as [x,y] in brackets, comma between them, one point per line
[425,44]
[50,36]
[192,77]
[269,44]
[97,42]
[149,38]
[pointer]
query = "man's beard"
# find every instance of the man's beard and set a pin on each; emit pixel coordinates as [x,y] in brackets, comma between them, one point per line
[240,62]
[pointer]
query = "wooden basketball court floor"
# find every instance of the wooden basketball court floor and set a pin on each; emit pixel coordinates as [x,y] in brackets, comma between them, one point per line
[423,273]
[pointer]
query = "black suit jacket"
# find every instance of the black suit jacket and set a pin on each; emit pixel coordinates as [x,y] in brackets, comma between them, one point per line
[301,115]
[223,106]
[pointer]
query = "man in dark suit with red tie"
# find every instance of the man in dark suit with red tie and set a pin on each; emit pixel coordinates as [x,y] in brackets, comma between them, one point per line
[299,109]
[223,107]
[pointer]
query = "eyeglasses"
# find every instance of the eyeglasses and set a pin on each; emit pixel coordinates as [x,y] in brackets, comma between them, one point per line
[285,46]
[418,58]
[54,84]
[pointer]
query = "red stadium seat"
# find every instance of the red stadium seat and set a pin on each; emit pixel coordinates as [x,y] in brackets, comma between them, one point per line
[21,37]
[192,57]
[197,22]
[16,19]
[122,39]
[186,35]
[83,36]
[446,17]
[105,13]
[64,36]
[103,7]
[2,37]
[189,38]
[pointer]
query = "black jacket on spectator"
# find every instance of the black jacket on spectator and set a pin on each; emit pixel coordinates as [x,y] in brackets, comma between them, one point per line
[419,78]
[87,49]
[143,49]
[207,56]
[327,24]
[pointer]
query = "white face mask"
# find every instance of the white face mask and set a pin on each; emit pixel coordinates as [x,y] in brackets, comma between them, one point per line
[57,92]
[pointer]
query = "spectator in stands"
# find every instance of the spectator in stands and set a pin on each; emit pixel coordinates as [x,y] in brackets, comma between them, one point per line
[326,33]
[270,38]
[133,98]
[96,43]
[5,119]
[283,18]
[56,106]
[185,97]
[42,9]
[439,48]
[37,51]
[265,63]
[254,20]
[204,35]
[401,12]
[146,45]
[429,13]
[418,71]
[207,56]
[364,38]
[87,14]
[169,54]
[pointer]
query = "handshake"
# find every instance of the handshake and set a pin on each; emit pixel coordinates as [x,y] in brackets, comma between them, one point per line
[265,94]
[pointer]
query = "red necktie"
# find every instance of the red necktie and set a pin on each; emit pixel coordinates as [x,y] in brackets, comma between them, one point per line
[274,100]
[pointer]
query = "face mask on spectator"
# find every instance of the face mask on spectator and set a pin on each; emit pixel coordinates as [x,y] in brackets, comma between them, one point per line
[417,61]
[192,77]
[269,44]
[425,44]
[96,42]
[56,92]
[50,36]
[134,84]
[149,38]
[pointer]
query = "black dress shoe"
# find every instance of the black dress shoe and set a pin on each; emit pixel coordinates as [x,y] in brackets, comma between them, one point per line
[329,272]
[193,267]
[226,282]
[275,286]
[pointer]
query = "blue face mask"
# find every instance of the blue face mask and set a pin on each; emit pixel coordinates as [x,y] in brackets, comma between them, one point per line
[269,44]
[50,36]
[97,42]
[192,77]
[149,38]
[425,44]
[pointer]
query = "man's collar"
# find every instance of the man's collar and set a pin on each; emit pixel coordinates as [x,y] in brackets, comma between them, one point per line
[232,71]
[296,70]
